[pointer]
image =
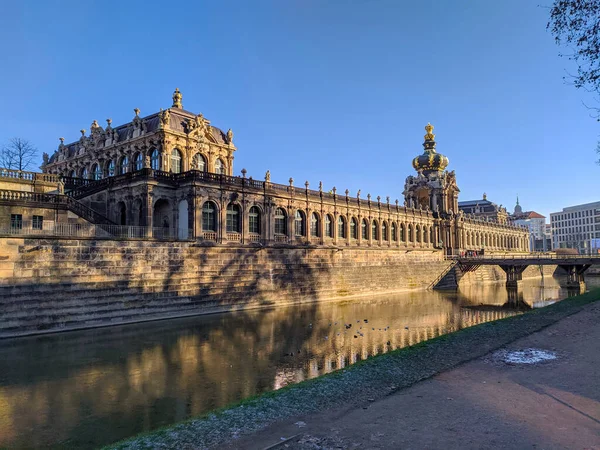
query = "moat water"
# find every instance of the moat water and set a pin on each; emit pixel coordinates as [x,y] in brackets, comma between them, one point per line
[86,389]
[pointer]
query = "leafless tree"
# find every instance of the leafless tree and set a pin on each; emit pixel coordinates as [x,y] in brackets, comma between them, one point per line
[18,154]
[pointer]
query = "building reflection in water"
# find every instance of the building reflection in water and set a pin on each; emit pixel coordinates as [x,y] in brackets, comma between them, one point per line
[88,388]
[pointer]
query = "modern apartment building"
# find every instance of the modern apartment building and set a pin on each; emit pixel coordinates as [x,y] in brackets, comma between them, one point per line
[577,227]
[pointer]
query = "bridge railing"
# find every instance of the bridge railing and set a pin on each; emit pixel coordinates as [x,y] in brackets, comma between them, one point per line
[528,256]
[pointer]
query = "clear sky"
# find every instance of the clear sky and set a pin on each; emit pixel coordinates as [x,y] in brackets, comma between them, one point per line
[331,90]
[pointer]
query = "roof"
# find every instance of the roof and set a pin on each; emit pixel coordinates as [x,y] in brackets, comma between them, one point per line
[178,119]
[533,215]
[481,202]
[528,215]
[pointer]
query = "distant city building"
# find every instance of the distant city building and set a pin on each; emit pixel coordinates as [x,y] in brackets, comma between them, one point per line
[535,222]
[577,227]
[484,209]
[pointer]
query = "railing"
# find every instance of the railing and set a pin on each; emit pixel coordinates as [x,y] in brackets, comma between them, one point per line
[28,176]
[86,230]
[509,256]
[281,238]
[442,275]
[73,182]
[234,237]
[254,237]
[209,236]
[54,201]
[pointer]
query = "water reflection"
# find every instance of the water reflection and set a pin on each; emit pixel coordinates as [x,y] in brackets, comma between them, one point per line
[85,389]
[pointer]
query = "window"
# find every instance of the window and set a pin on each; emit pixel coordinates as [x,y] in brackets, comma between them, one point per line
[209,217]
[402,233]
[341,227]
[176,161]
[124,166]
[280,227]
[299,223]
[73,174]
[410,236]
[354,228]
[418,233]
[219,167]
[394,232]
[254,220]
[384,231]
[328,228]
[84,173]
[96,174]
[199,162]
[37,222]
[233,218]
[16,221]
[374,231]
[139,164]
[364,231]
[110,169]
[155,160]
[314,225]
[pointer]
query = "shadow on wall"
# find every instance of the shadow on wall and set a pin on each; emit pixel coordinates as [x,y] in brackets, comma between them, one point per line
[67,284]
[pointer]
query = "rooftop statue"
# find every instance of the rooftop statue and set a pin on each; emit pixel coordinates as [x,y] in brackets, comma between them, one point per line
[177,99]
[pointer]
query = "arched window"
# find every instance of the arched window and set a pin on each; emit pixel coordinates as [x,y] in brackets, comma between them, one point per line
[394,232]
[155,159]
[96,173]
[328,227]
[233,218]
[280,217]
[341,227]
[402,233]
[374,231]
[84,173]
[254,220]
[425,235]
[73,174]
[299,223]
[418,233]
[209,217]
[431,235]
[175,161]
[354,228]
[410,233]
[199,162]
[124,165]
[138,161]
[219,166]
[364,230]
[314,225]
[110,168]
[384,231]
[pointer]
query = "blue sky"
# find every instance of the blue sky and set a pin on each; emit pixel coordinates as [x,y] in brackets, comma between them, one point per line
[331,90]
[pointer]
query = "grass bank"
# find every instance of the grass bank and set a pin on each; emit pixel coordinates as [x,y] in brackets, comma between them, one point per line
[370,379]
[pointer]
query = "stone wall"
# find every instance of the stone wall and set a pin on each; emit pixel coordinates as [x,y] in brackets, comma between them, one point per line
[51,285]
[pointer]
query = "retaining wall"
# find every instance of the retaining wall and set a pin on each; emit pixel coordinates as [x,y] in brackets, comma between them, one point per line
[53,285]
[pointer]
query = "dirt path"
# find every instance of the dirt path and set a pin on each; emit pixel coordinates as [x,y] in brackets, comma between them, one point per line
[484,403]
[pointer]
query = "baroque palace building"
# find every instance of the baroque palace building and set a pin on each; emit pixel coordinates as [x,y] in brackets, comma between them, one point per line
[172,173]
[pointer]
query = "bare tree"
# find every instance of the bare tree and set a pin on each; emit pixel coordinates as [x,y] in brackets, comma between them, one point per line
[576,24]
[18,154]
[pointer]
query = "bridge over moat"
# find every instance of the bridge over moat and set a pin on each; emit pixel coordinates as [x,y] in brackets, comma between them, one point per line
[514,266]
